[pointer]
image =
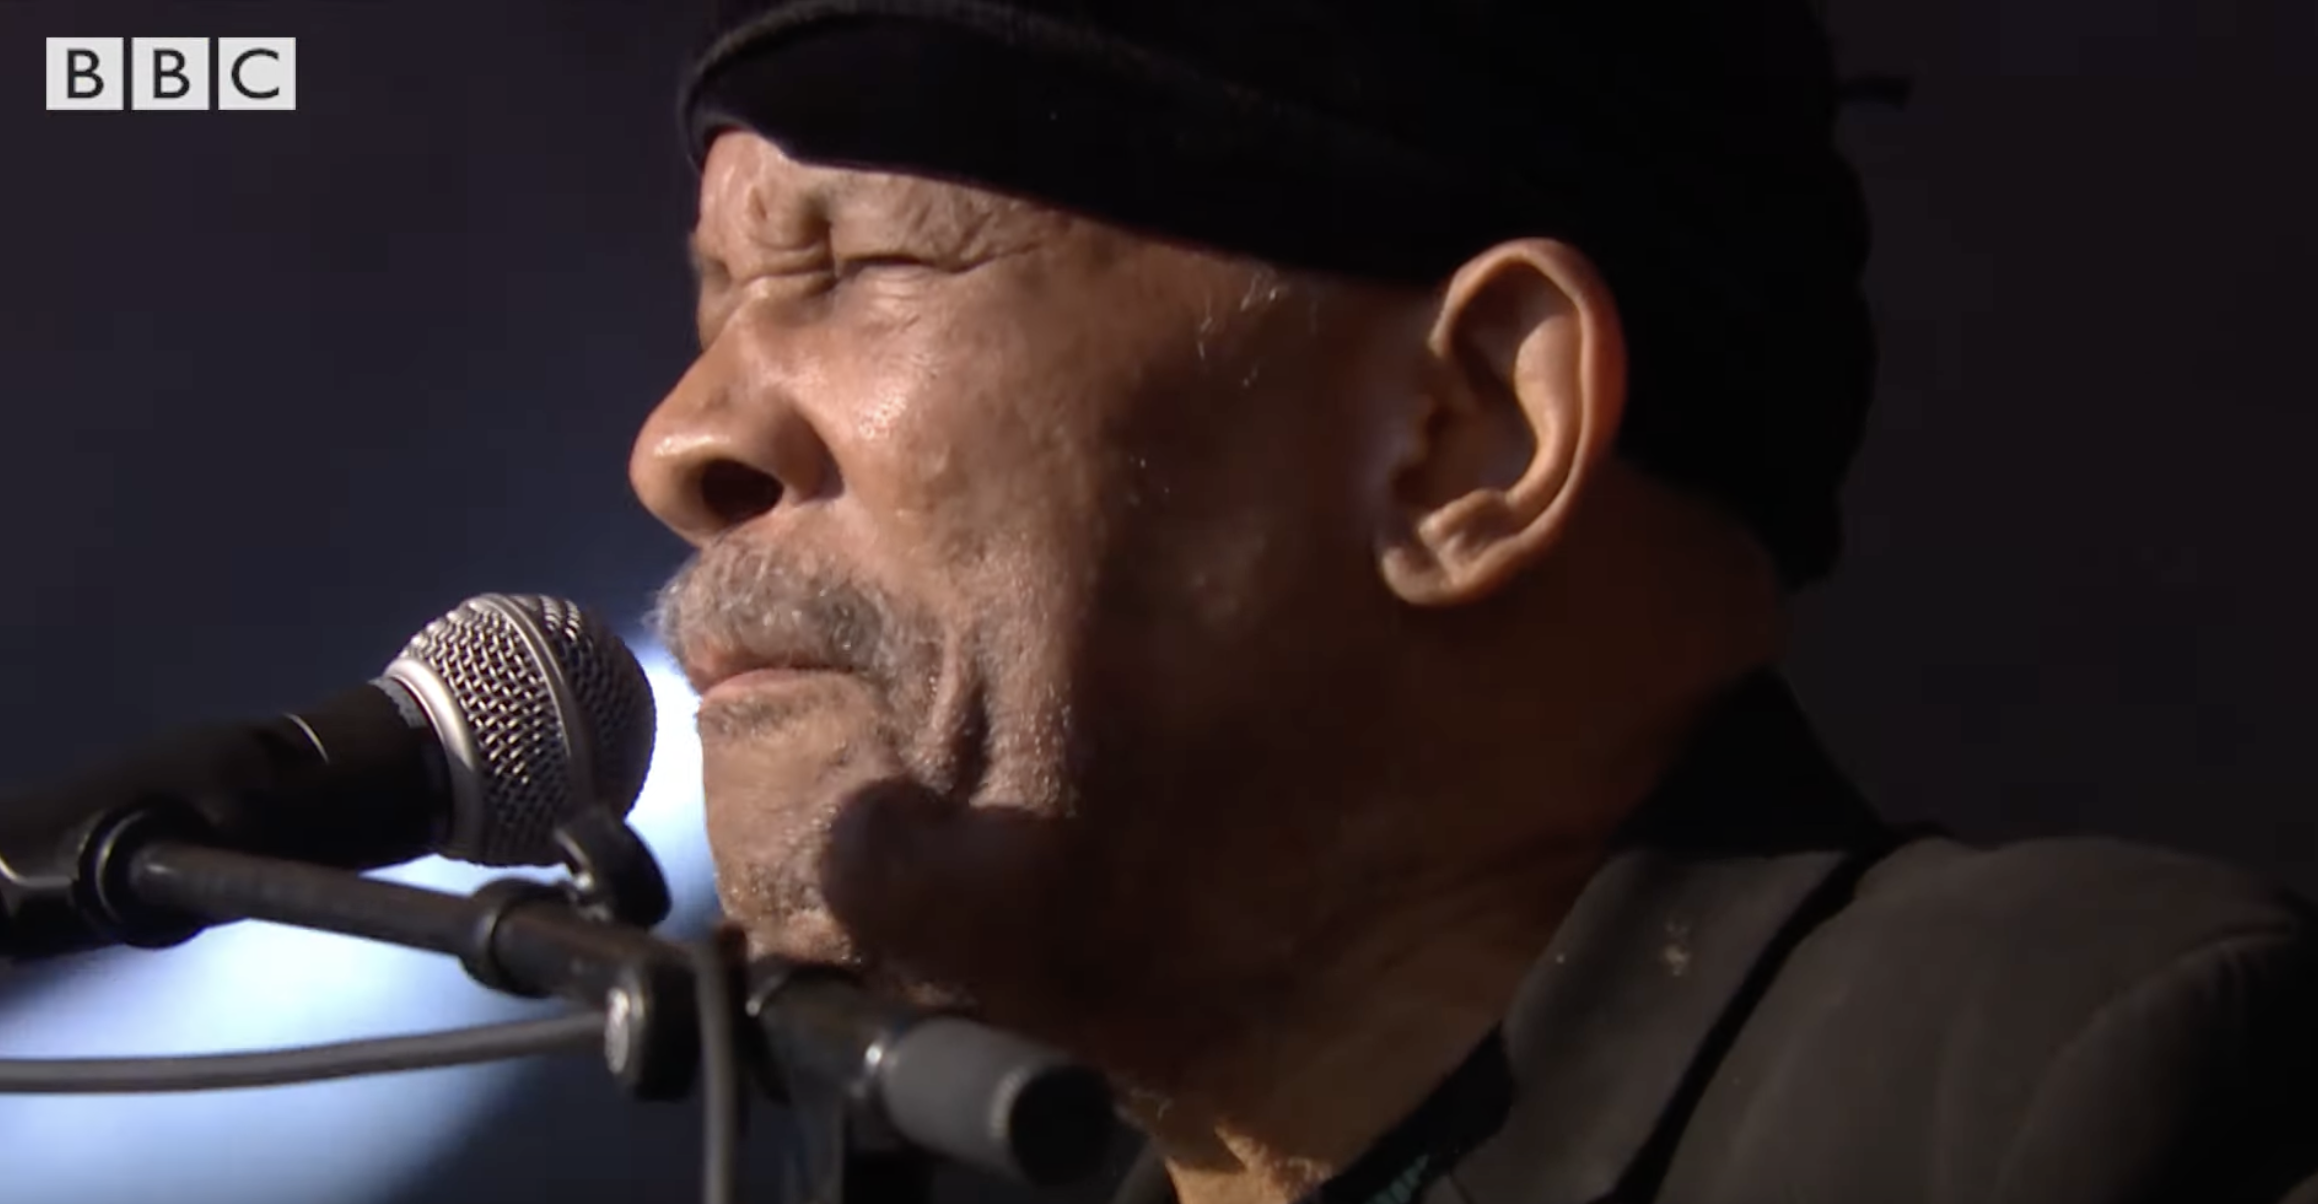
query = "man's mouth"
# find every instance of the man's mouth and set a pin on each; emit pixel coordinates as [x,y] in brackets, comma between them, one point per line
[765,678]
[723,672]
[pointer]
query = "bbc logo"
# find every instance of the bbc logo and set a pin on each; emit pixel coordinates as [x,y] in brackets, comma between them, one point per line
[172,73]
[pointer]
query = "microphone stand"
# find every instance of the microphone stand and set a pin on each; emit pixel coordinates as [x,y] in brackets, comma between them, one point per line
[880,1087]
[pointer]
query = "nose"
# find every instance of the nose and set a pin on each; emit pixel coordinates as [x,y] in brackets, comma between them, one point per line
[724,447]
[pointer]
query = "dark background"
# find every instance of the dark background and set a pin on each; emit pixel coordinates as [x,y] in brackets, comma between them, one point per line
[280,387]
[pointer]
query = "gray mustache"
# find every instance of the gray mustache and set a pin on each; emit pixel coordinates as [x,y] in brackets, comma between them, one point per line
[776,607]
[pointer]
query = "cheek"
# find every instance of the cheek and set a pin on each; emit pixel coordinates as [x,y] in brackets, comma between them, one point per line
[1239,506]
[1100,497]
[973,455]
[903,401]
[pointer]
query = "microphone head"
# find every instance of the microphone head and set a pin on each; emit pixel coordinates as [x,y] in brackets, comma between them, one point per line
[541,712]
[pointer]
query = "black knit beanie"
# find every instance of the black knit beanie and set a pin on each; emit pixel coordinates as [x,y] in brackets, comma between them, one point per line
[1686,146]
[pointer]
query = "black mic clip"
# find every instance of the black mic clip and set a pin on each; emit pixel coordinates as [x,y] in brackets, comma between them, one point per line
[614,877]
[613,885]
[650,1040]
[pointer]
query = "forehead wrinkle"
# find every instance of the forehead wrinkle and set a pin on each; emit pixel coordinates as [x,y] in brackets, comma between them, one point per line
[958,218]
[760,218]
[784,220]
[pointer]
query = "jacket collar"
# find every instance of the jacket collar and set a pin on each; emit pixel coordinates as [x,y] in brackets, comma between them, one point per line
[1751,840]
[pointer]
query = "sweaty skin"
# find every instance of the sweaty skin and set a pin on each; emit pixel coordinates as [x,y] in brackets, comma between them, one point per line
[1227,674]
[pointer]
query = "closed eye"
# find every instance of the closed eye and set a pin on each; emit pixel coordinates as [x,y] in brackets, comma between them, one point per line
[849,267]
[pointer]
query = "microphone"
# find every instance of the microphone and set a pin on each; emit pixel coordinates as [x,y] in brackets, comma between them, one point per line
[496,723]
[499,730]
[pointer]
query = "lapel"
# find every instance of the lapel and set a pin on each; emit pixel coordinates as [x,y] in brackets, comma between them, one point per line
[1752,840]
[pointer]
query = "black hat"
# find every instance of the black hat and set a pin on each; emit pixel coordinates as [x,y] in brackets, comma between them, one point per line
[1687,146]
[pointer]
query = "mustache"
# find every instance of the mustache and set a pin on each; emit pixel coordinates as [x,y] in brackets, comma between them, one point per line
[735,603]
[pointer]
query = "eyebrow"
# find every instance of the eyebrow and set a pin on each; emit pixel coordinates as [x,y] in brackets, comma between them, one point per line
[707,269]
[825,193]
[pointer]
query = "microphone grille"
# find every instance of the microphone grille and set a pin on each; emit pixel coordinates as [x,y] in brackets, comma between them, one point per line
[612,693]
[541,711]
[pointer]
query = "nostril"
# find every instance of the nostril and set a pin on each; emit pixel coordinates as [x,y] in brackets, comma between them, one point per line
[736,493]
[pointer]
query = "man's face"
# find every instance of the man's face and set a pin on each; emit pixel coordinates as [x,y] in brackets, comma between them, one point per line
[1055,547]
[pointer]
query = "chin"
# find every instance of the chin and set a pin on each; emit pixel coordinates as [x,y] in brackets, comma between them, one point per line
[812,937]
[826,879]
[831,851]
[815,937]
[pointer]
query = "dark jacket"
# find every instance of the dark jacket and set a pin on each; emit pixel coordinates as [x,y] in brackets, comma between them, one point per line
[1767,996]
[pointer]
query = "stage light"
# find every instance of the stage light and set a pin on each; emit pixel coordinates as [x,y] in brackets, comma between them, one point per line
[251,986]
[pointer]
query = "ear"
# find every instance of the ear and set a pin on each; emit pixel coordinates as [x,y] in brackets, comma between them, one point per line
[1525,365]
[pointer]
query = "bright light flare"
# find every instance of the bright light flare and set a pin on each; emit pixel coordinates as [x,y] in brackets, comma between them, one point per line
[255,986]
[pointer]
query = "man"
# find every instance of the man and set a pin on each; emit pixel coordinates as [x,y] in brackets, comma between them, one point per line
[1246,537]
